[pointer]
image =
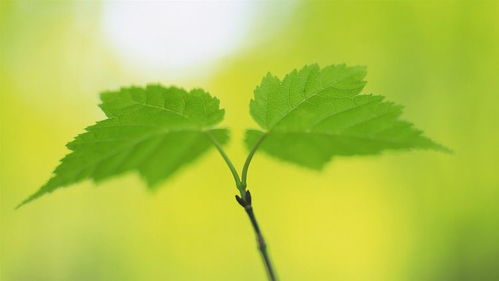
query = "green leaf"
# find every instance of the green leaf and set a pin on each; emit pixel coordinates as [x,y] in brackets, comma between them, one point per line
[315,114]
[152,130]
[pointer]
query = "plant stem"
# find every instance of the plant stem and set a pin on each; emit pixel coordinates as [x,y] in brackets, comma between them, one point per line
[262,245]
[232,169]
[244,173]
[245,200]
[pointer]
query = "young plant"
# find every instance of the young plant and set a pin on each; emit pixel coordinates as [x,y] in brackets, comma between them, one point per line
[307,118]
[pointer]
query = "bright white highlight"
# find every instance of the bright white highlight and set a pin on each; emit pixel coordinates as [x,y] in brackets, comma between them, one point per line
[177,35]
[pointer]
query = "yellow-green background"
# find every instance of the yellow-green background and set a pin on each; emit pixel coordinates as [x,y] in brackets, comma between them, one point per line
[416,216]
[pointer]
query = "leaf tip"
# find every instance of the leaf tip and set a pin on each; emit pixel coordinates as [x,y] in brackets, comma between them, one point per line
[443,148]
[31,198]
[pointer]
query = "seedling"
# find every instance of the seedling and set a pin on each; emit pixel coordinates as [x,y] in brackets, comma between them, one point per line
[307,118]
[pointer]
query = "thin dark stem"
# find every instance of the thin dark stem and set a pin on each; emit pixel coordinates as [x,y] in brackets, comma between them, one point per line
[245,200]
[260,240]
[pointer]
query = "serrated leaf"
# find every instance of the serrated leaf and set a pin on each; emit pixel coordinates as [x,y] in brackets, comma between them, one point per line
[152,130]
[315,114]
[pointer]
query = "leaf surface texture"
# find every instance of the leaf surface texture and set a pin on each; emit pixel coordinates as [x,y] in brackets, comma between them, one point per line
[314,114]
[153,130]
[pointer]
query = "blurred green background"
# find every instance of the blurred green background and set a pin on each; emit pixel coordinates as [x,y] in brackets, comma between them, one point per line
[397,217]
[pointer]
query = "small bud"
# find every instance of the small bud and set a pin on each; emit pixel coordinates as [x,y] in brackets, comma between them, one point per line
[248,197]
[240,201]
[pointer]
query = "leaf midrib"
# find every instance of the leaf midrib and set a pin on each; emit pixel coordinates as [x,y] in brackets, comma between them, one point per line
[363,137]
[318,92]
[136,142]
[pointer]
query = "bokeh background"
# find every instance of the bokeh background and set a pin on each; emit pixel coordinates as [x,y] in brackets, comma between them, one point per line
[397,217]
